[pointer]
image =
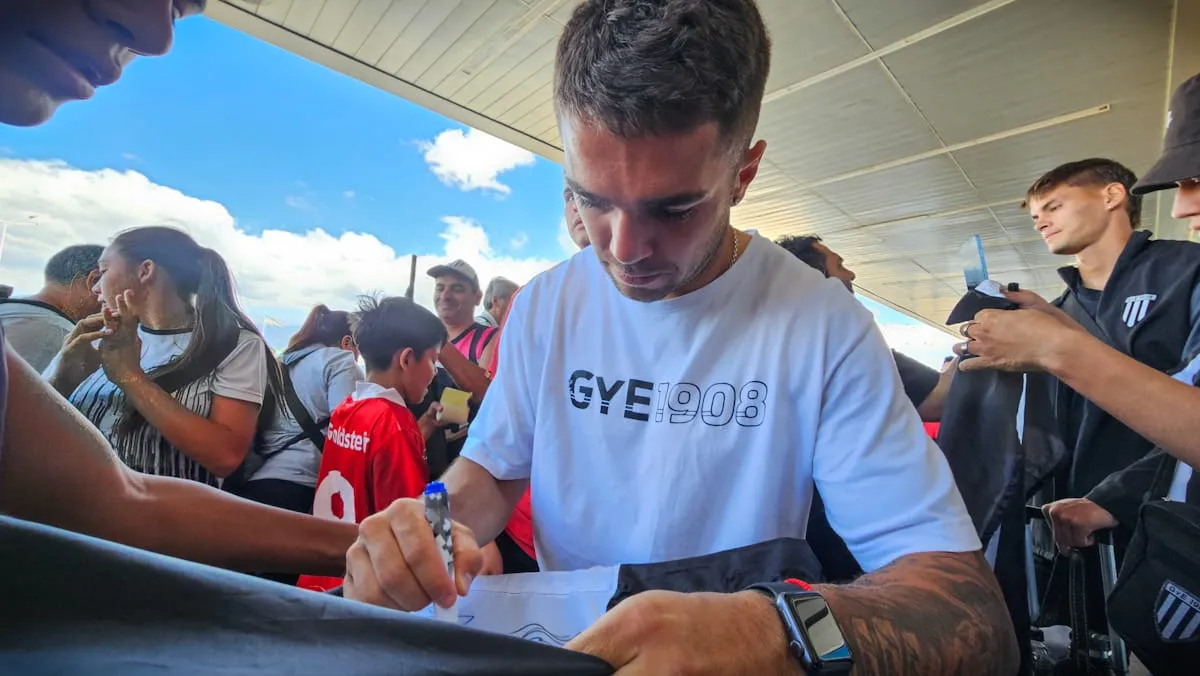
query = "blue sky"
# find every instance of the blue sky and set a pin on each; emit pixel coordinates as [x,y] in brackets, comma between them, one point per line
[313,184]
[230,118]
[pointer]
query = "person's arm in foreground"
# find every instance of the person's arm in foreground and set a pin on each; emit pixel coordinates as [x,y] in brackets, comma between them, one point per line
[81,486]
[937,613]
[468,376]
[1153,404]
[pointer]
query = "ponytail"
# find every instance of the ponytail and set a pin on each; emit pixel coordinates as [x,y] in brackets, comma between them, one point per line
[203,280]
[322,327]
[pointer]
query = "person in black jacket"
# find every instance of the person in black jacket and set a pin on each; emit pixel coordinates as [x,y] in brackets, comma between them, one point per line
[1139,296]
[1162,409]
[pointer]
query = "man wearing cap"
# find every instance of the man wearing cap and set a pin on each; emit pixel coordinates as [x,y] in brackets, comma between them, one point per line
[456,294]
[1163,410]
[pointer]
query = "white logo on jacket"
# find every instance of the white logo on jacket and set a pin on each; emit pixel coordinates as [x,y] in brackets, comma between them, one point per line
[1136,308]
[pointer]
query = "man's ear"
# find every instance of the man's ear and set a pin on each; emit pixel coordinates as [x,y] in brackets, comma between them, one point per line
[91,279]
[1114,195]
[749,169]
[347,343]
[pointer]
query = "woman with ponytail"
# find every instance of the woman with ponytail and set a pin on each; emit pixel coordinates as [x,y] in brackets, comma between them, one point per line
[172,371]
[321,361]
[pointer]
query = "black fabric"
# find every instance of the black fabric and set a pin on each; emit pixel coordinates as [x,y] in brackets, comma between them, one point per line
[1192,495]
[724,572]
[284,495]
[78,605]
[440,453]
[1170,271]
[979,437]
[1155,605]
[1123,493]
[515,559]
[918,379]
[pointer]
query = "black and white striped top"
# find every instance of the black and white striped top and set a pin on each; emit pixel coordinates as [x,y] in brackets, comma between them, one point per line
[242,376]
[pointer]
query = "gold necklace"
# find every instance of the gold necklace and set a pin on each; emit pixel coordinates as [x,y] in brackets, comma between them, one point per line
[734,258]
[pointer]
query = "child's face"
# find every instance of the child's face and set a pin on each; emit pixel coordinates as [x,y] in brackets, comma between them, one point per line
[419,374]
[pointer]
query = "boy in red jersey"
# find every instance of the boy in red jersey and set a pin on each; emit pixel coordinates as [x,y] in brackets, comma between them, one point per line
[374,450]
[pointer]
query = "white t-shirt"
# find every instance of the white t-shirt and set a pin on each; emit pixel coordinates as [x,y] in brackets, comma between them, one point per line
[659,431]
[1183,471]
[242,376]
[35,330]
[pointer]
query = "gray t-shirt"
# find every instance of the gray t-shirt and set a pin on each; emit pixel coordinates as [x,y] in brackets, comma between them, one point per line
[35,330]
[323,377]
[241,376]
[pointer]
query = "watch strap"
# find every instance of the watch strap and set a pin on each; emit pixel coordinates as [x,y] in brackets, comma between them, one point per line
[816,659]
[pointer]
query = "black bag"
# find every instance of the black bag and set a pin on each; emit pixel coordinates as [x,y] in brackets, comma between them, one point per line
[1155,605]
[314,431]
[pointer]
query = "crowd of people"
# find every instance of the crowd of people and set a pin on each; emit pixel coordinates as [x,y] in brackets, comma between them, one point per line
[678,388]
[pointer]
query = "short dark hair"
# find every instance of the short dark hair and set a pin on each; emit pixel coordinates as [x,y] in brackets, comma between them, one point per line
[657,67]
[1093,172]
[804,247]
[73,262]
[383,327]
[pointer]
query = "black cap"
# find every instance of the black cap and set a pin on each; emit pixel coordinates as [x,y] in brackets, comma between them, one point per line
[1180,159]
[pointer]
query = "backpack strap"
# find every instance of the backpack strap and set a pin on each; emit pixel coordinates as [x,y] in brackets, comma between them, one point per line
[310,428]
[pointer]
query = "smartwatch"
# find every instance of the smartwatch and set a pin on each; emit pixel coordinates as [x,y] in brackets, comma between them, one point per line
[813,634]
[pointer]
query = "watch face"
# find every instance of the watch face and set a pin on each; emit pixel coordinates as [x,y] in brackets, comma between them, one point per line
[824,636]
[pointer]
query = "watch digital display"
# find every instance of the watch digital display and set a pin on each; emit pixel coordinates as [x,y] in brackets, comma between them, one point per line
[824,636]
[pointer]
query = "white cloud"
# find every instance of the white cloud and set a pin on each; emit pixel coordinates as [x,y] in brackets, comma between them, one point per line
[299,203]
[132,157]
[473,160]
[349,194]
[279,273]
[517,243]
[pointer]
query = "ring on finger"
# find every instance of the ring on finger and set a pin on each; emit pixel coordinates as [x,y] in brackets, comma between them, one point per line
[963,330]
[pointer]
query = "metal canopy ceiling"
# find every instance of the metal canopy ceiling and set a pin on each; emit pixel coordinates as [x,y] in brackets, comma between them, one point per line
[896,129]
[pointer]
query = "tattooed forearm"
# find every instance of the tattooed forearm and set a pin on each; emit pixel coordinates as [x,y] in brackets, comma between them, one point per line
[927,614]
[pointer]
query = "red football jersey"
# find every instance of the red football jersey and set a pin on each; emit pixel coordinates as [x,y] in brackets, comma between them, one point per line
[374,454]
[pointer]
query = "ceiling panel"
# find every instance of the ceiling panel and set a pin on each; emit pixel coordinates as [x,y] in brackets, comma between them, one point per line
[881,24]
[1004,170]
[331,21]
[366,15]
[853,155]
[808,37]
[796,213]
[416,34]
[929,186]
[302,15]
[858,246]
[458,32]
[843,124]
[1033,61]
[387,31]
[939,233]
[467,53]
